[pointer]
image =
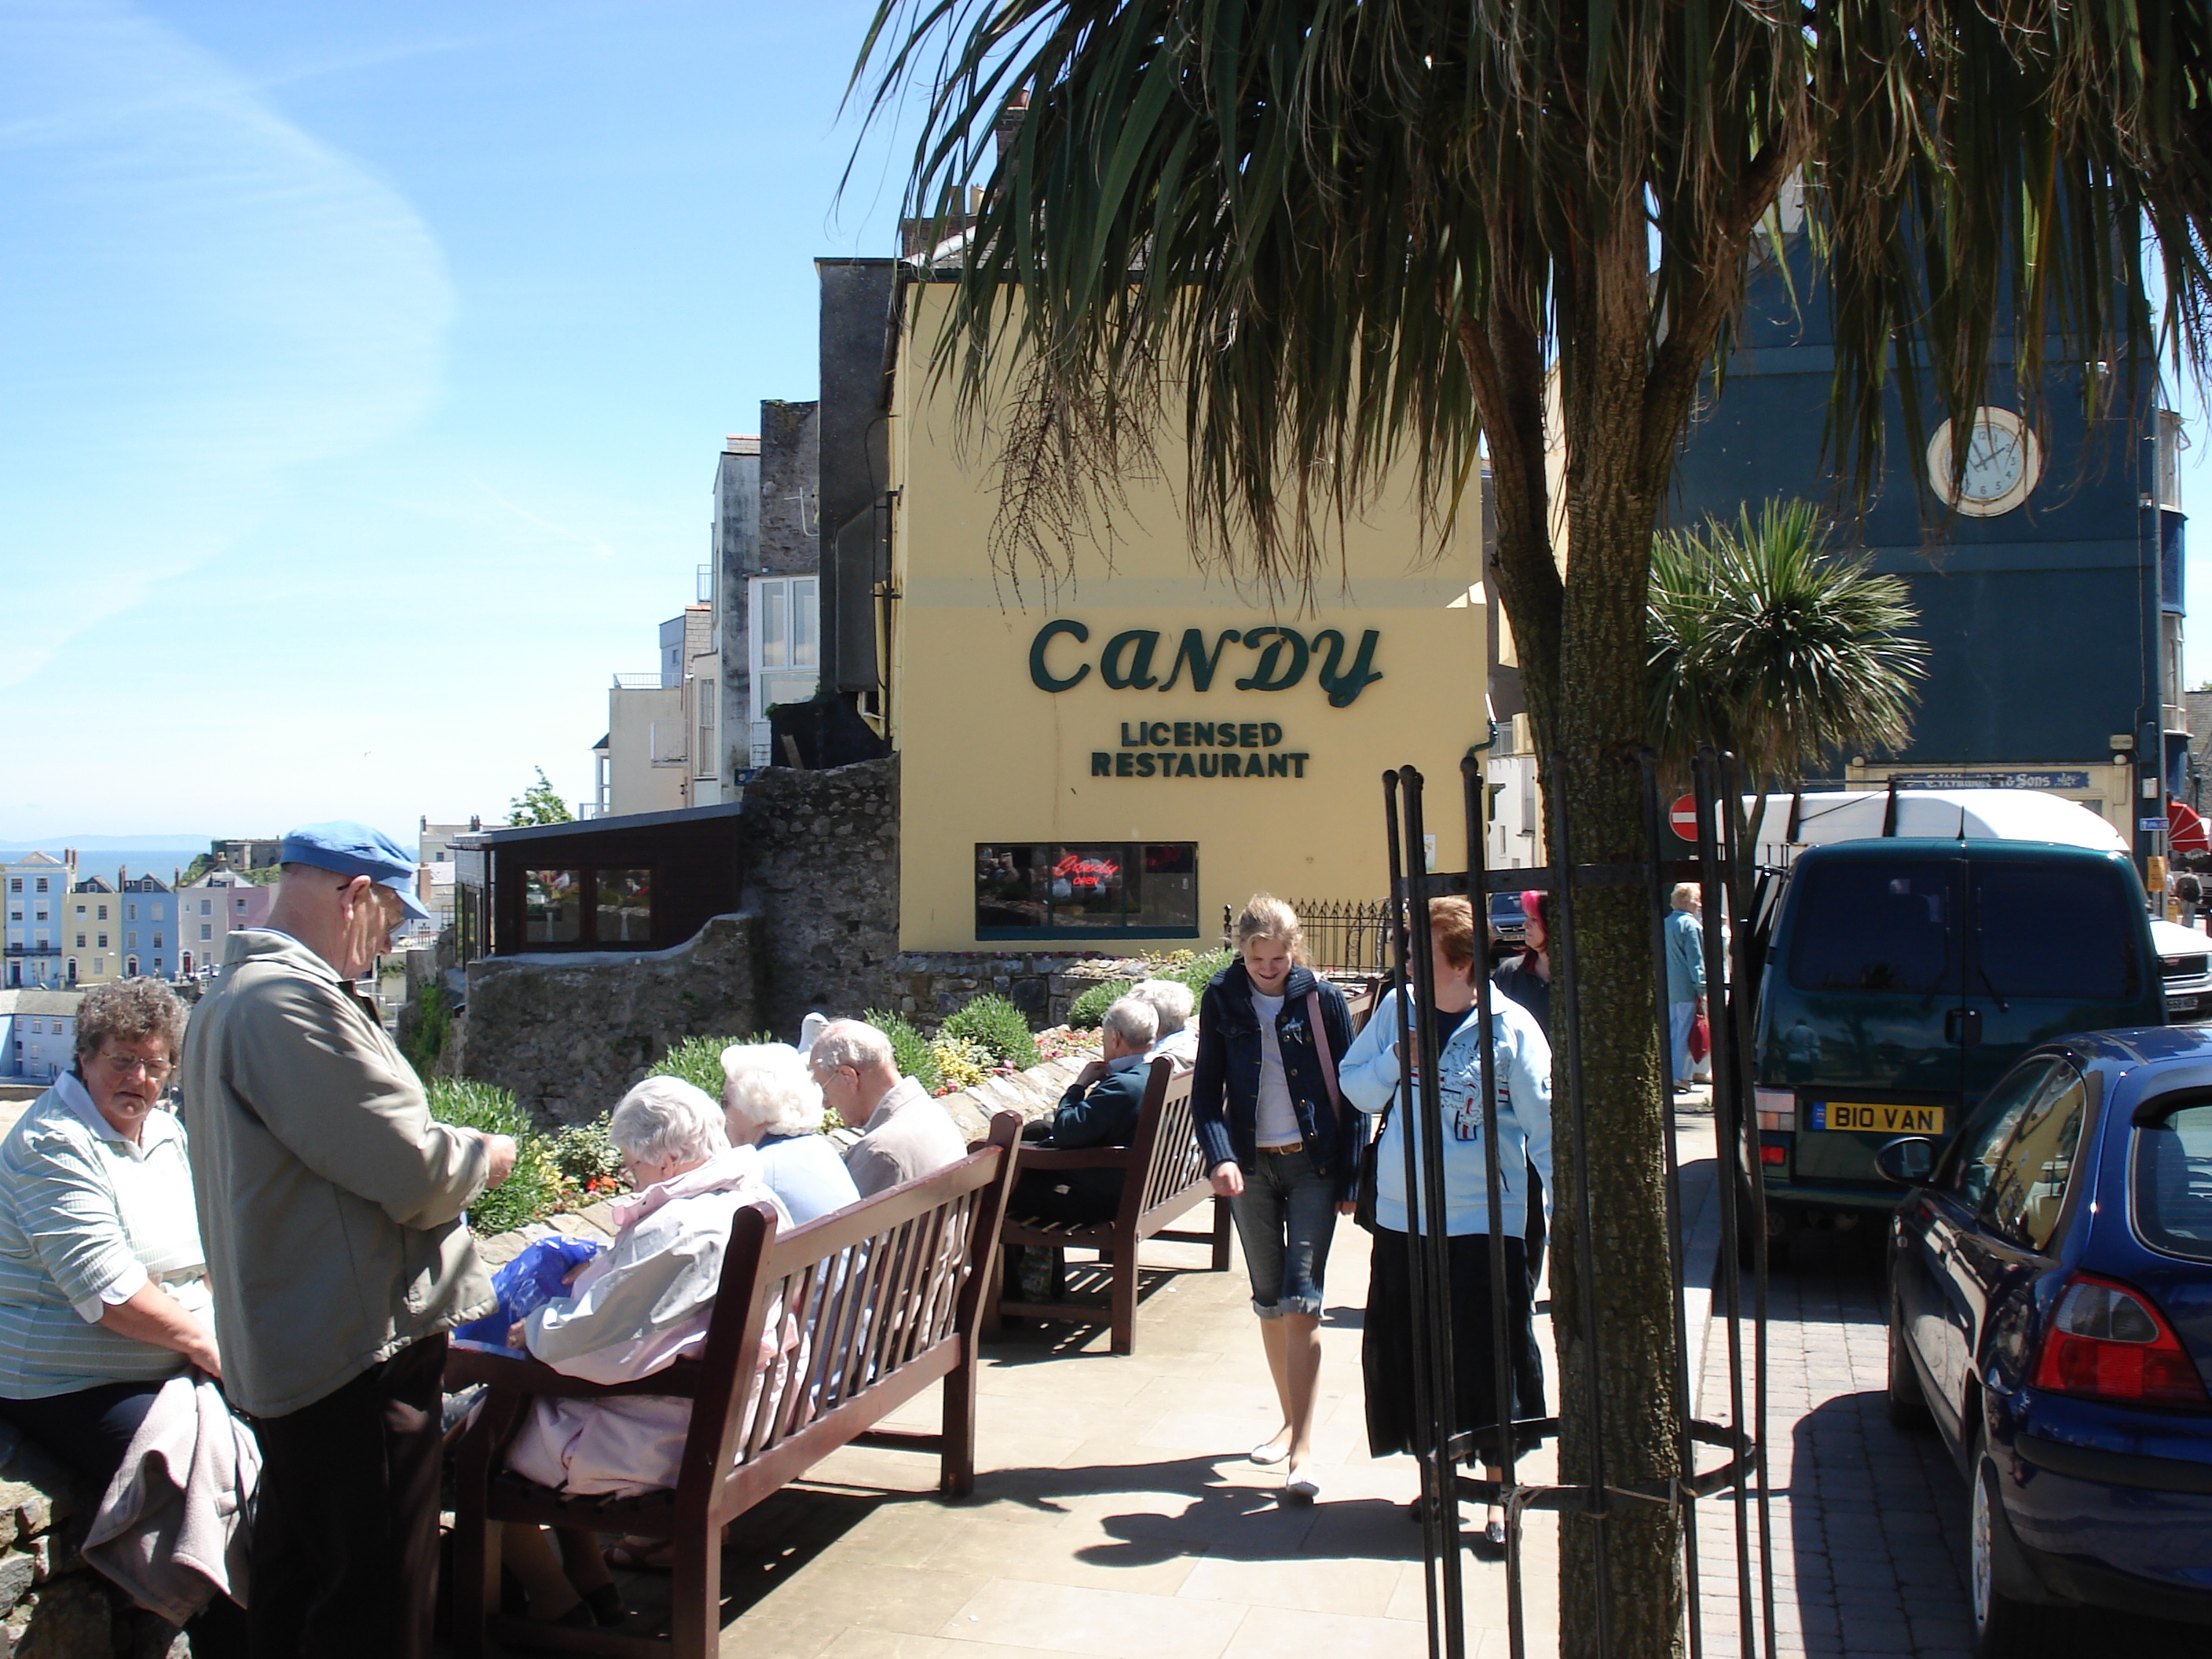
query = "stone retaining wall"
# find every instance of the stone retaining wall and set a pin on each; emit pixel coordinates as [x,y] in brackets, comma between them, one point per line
[821,872]
[929,986]
[569,1034]
[52,1605]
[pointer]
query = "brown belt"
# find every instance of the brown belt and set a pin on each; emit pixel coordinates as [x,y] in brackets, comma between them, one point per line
[1285,1152]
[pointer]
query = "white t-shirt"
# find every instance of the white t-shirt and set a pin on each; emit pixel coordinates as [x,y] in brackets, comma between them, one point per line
[1278,1120]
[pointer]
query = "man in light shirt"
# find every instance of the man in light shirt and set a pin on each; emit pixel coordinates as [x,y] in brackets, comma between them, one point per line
[904,1133]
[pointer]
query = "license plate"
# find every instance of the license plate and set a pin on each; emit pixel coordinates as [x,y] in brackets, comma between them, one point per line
[2183,1005]
[1856,1117]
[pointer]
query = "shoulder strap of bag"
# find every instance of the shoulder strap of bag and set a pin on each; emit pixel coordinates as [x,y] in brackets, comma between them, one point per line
[1327,1058]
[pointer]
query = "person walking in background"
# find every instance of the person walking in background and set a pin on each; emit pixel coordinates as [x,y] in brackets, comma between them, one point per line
[1686,980]
[330,1204]
[1528,979]
[770,1101]
[904,1133]
[1521,1119]
[1281,1148]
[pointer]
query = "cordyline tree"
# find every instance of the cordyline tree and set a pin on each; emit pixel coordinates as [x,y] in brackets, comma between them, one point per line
[1332,237]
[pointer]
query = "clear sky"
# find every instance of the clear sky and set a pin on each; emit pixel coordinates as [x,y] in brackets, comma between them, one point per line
[362,368]
[363,372]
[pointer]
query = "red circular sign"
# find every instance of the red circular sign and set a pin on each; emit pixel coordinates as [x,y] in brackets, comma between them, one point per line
[1683,815]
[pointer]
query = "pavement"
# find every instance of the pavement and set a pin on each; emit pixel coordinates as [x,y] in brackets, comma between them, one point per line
[1117,1516]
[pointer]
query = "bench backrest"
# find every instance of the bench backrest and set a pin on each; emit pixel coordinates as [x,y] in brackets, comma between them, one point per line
[1165,1158]
[875,1300]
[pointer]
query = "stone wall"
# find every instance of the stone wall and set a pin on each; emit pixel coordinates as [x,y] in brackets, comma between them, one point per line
[52,1605]
[927,986]
[569,1034]
[821,852]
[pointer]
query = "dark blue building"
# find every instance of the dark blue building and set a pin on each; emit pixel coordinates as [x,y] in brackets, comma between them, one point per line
[2051,601]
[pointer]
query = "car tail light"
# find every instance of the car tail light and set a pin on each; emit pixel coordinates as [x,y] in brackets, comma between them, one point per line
[2108,1342]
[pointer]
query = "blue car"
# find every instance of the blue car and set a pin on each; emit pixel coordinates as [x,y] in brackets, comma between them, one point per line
[2050,1312]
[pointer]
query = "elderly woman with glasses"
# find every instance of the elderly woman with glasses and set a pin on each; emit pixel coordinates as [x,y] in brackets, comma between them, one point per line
[103,1288]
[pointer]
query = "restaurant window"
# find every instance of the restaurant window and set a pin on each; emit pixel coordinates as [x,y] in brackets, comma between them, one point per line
[619,911]
[1086,890]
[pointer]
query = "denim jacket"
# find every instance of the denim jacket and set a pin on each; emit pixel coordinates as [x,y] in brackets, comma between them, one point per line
[1521,1063]
[1224,1084]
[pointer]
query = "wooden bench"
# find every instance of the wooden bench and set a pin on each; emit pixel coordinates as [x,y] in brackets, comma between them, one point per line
[1164,1175]
[885,1295]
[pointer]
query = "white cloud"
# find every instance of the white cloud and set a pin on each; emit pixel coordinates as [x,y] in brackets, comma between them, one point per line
[199,299]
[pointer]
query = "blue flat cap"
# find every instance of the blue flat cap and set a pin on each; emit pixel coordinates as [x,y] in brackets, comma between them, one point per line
[355,849]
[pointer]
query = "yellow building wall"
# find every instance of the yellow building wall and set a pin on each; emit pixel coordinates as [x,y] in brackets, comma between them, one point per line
[990,756]
[95,965]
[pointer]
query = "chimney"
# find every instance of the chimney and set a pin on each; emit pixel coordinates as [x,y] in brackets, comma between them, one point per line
[741,443]
[1009,121]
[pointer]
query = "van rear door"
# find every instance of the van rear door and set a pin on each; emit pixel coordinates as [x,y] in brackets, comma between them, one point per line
[2053,946]
[1875,970]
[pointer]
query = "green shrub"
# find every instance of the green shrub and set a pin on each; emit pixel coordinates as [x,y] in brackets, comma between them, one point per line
[535,1190]
[962,1063]
[583,1153]
[424,1027]
[699,1060]
[1198,969]
[911,1051]
[1087,1010]
[998,1027]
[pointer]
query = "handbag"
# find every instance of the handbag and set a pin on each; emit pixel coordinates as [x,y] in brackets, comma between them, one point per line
[1701,1039]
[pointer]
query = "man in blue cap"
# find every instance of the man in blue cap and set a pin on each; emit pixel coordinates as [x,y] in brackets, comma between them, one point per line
[331,1206]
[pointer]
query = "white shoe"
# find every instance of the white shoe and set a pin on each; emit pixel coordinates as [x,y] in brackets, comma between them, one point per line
[1300,1488]
[1271,1451]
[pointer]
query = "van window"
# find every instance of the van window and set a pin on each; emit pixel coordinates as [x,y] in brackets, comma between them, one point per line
[1877,927]
[2036,1163]
[2053,931]
[2173,1181]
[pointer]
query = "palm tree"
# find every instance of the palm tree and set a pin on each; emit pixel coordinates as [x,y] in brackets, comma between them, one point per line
[1330,235]
[1764,643]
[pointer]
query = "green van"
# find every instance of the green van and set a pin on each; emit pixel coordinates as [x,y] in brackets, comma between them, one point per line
[1903,976]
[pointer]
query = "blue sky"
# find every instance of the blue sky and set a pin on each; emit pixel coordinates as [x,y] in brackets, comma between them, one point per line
[362,369]
[363,374]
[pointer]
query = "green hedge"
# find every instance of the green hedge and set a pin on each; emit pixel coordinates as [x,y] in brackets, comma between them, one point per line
[998,1027]
[910,1050]
[1087,1010]
[699,1060]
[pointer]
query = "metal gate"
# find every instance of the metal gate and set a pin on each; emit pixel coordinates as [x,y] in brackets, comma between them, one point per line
[1740,1473]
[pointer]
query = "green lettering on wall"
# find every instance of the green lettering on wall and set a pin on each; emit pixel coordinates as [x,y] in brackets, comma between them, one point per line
[1186,770]
[1102,764]
[1135,674]
[1273,673]
[1145,765]
[1270,734]
[1278,766]
[1344,689]
[1228,765]
[1193,651]
[1042,677]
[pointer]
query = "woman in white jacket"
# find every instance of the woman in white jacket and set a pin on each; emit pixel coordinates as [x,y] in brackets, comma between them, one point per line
[634,1310]
[1374,1079]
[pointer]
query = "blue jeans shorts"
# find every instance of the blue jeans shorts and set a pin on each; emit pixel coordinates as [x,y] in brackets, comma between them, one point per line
[1286,1217]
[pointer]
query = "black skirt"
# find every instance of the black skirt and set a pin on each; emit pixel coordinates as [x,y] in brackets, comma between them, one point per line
[1386,1352]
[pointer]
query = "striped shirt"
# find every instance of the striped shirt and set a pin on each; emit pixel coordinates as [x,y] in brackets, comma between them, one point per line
[87,1218]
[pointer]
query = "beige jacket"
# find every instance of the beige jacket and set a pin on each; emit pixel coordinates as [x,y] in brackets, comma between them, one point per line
[908,1136]
[329,1201]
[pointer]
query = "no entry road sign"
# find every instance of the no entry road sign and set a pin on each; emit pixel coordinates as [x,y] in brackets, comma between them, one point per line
[1683,815]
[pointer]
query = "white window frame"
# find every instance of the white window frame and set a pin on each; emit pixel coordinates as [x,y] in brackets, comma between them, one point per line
[790,600]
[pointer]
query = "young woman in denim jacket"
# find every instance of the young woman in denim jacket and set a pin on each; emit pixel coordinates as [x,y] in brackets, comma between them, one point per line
[1521,1120]
[1281,1148]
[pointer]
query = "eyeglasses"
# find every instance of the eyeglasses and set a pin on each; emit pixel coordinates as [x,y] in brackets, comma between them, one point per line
[124,1064]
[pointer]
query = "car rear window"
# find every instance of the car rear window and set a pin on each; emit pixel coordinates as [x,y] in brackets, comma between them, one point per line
[2173,1183]
[2046,930]
[1877,927]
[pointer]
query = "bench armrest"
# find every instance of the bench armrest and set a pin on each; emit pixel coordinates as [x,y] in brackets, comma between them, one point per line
[1086,1158]
[517,1372]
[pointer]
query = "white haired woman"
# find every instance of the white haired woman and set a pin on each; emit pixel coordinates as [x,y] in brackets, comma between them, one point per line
[771,1101]
[1171,1002]
[641,1303]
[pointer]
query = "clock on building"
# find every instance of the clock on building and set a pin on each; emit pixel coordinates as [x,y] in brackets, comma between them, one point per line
[2002,463]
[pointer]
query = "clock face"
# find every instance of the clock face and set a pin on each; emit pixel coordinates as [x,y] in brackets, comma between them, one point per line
[2001,465]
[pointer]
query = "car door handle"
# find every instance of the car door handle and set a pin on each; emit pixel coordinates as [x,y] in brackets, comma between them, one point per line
[1963,1026]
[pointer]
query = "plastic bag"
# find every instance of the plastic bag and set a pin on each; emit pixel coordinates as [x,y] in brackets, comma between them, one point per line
[1701,1039]
[537,1276]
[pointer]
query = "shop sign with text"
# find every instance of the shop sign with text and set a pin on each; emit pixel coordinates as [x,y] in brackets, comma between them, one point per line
[1144,660]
